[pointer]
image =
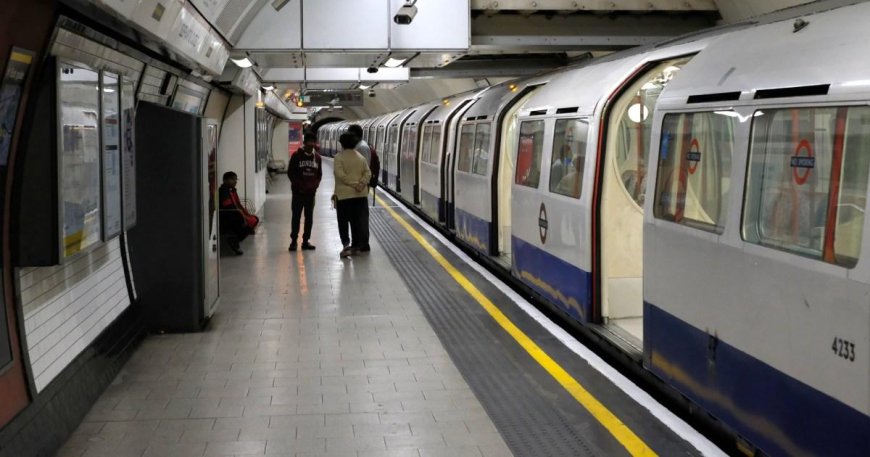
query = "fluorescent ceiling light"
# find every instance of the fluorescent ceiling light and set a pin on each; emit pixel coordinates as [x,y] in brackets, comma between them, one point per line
[393,63]
[269,87]
[364,87]
[244,62]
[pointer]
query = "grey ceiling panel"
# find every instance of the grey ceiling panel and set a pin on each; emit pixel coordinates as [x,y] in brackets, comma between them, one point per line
[288,59]
[344,60]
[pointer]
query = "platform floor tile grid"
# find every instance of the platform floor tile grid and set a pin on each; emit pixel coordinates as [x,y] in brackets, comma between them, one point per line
[307,355]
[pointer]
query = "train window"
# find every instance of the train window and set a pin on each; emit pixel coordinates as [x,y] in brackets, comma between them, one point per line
[529,152]
[481,149]
[393,140]
[466,142]
[633,116]
[695,168]
[569,156]
[435,148]
[380,139]
[406,136]
[409,143]
[427,144]
[807,181]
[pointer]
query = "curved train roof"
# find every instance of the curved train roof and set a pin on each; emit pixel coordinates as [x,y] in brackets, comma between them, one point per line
[585,87]
[453,103]
[775,56]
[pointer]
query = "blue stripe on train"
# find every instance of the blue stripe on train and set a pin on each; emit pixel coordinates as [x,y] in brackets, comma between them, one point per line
[563,284]
[775,412]
[473,230]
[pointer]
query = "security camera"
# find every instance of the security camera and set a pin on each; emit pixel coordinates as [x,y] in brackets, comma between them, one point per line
[372,93]
[372,69]
[406,14]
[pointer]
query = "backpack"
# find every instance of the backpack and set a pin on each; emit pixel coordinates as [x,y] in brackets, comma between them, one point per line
[375,168]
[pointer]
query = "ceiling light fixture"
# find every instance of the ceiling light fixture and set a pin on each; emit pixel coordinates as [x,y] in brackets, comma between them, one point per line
[244,62]
[363,86]
[268,87]
[394,63]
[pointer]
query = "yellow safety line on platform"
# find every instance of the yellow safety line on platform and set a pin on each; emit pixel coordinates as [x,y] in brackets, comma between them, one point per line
[632,443]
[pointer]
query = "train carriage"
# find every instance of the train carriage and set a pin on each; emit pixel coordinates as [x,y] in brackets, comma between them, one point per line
[758,266]
[394,143]
[437,136]
[699,204]
[409,156]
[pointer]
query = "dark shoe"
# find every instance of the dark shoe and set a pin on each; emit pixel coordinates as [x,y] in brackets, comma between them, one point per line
[306,246]
[238,252]
[347,252]
[293,246]
[365,248]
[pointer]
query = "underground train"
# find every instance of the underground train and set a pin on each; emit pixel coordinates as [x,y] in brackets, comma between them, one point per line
[699,203]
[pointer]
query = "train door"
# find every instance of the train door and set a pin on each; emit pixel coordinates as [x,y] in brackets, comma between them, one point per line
[450,168]
[622,181]
[445,155]
[393,147]
[507,146]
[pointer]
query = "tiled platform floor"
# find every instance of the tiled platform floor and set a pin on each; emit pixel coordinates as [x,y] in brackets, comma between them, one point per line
[307,355]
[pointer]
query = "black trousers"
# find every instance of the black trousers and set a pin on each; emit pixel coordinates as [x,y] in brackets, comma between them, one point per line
[353,212]
[300,203]
[232,226]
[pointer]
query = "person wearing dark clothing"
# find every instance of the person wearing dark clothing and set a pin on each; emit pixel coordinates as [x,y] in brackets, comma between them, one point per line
[374,165]
[305,171]
[235,221]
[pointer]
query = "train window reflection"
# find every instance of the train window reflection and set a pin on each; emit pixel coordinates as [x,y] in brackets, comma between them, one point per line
[427,144]
[807,182]
[569,157]
[393,142]
[435,147]
[694,169]
[481,150]
[466,141]
[529,152]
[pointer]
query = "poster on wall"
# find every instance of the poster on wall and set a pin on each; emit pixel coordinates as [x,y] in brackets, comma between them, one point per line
[112,211]
[128,152]
[79,99]
[263,138]
[294,130]
[10,96]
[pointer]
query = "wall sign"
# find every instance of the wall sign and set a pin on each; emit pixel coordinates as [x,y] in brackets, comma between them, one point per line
[10,97]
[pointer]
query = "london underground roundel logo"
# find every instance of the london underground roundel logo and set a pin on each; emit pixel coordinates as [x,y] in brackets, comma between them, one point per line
[542,223]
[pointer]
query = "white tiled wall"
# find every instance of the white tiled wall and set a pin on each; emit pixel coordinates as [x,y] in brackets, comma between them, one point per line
[67,306]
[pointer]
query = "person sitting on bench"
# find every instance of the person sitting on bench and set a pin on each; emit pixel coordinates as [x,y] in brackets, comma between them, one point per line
[235,221]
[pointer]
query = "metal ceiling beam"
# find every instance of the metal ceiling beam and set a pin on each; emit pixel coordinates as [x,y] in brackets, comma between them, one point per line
[509,43]
[490,68]
[594,5]
[314,74]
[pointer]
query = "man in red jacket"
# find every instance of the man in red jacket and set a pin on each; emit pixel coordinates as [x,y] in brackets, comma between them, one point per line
[304,171]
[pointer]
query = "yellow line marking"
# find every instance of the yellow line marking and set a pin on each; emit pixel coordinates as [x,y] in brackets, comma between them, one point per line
[632,443]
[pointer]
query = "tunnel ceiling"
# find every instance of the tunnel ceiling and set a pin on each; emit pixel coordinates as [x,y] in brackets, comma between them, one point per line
[508,38]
